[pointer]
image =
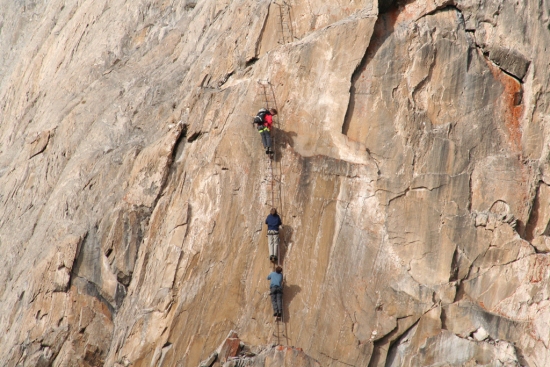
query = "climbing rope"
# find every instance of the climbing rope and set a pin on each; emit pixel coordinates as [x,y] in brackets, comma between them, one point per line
[265,85]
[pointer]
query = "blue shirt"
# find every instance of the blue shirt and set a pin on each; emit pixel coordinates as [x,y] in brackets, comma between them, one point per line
[276,279]
[273,222]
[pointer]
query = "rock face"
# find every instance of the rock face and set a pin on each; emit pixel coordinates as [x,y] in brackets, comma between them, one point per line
[411,171]
[234,353]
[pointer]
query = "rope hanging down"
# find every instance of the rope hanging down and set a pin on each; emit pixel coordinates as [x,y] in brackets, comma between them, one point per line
[269,102]
[275,177]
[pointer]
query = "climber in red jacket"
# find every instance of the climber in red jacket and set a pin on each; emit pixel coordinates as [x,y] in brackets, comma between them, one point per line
[264,121]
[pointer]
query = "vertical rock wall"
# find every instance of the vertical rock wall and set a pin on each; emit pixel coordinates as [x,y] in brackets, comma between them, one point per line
[410,170]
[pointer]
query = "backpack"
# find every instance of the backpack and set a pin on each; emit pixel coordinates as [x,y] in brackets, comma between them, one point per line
[259,119]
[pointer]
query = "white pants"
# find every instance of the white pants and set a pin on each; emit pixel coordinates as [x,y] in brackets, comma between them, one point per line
[273,242]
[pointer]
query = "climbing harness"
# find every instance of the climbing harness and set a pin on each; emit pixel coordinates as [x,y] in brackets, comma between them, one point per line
[263,129]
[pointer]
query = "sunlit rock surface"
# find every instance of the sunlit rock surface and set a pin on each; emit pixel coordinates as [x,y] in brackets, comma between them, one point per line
[411,171]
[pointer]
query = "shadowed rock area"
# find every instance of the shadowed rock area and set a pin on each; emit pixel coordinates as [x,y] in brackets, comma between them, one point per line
[411,172]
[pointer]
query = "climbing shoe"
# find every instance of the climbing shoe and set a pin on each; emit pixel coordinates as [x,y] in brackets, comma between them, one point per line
[276,314]
[279,314]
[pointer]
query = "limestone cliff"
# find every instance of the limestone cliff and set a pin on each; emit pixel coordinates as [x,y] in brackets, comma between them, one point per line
[411,171]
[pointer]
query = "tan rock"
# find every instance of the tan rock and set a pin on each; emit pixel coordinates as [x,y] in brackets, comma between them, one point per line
[39,143]
[410,170]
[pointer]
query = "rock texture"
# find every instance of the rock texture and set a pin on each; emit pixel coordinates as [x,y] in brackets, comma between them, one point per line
[234,353]
[411,171]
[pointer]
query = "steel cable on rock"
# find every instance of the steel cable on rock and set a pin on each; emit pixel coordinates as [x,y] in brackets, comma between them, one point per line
[276,123]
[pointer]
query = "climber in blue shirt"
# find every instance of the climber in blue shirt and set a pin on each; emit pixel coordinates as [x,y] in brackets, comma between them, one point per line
[276,291]
[273,222]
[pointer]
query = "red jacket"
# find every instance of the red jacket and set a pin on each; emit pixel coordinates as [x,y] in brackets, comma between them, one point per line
[268,121]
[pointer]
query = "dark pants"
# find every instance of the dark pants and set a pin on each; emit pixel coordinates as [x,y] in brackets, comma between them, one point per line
[266,138]
[277,298]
